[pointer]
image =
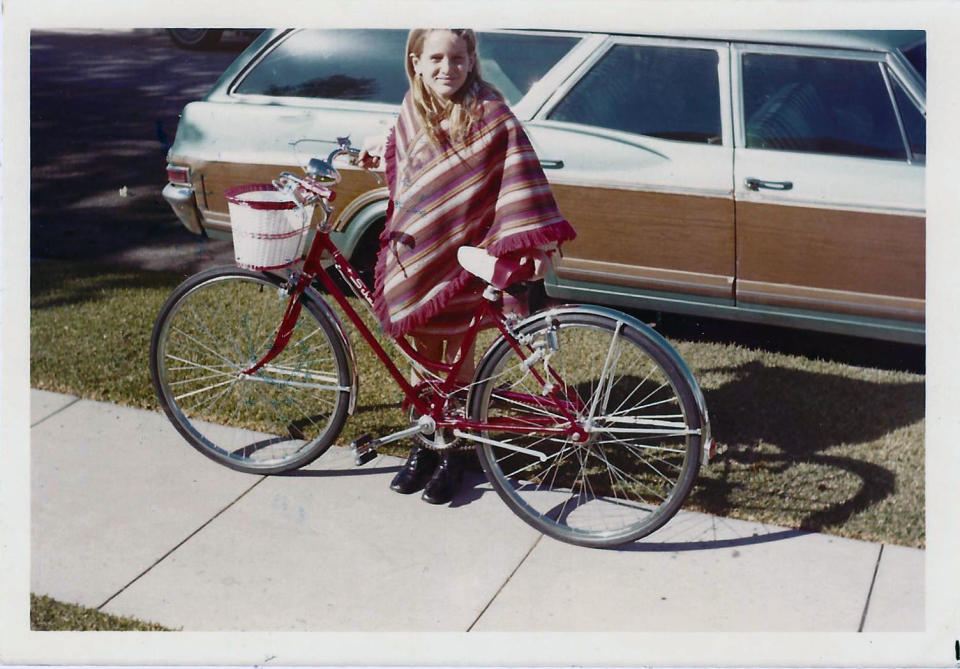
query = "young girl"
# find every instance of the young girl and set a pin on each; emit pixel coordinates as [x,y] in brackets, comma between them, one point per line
[460,171]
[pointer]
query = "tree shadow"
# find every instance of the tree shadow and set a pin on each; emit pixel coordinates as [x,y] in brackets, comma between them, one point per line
[104,109]
[89,283]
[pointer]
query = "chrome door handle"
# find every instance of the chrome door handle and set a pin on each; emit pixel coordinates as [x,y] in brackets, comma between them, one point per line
[551,164]
[757,184]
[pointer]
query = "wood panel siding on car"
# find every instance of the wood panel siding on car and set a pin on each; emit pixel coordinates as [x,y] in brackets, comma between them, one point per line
[862,263]
[219,176]
[643,239]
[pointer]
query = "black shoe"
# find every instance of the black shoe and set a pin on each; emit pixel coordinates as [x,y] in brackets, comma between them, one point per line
[416,470]
[445,481]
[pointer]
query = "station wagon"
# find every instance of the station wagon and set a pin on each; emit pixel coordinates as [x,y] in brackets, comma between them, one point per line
[772,177]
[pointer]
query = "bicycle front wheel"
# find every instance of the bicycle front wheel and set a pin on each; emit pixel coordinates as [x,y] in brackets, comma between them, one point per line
[219,323]
[638,410]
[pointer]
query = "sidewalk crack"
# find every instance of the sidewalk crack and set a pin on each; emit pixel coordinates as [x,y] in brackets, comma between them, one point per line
[185,540]
[873,582]
[504,584]
[49,416]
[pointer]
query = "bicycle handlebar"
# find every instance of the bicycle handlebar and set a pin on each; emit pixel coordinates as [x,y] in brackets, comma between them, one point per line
[321,175]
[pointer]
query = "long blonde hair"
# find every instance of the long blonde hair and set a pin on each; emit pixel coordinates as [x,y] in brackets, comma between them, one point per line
[462,111]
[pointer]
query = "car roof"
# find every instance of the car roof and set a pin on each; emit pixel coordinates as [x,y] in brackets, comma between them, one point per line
[871,40]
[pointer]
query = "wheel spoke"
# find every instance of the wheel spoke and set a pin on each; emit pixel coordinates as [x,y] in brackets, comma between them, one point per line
[281,417]
[645,453]
[640,454]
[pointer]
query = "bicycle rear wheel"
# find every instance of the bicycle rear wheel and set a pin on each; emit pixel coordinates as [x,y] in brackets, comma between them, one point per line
[219,323]
[642,452]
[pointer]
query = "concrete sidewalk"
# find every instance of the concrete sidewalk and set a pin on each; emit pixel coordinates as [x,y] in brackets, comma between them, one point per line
[128,518]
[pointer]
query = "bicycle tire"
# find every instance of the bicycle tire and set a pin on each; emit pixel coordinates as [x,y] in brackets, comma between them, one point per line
[620,484]
[220,322]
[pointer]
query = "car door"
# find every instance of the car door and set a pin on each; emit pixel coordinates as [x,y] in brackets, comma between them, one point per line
[829,186]
[638,150]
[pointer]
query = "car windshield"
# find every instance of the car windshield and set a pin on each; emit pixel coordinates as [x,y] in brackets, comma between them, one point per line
[367,65]
[917,56]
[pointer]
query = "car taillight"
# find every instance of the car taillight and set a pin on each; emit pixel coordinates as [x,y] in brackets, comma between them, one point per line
[178,175]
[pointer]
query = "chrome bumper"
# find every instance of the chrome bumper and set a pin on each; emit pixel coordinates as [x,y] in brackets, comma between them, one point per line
[184,204]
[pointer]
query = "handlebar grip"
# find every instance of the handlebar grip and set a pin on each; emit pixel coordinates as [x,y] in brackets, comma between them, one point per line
[318,189]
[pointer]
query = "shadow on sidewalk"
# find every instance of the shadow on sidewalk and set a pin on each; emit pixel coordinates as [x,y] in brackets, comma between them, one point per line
[330,473]
[711,544]
[475,486]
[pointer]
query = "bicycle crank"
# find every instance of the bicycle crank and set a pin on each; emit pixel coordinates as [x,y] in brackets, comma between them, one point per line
[364,447]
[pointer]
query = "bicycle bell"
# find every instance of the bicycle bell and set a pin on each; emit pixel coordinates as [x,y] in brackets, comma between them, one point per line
[322,171]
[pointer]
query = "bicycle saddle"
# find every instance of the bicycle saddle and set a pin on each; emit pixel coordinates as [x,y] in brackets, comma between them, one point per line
[504,271]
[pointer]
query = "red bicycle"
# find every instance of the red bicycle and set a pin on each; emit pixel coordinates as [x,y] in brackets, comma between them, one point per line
[586,422]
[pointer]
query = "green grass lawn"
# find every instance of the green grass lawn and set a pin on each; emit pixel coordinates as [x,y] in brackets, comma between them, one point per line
[810,444]
[48,614]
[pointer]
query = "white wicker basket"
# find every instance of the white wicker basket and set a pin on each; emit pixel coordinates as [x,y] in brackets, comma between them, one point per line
[269,226]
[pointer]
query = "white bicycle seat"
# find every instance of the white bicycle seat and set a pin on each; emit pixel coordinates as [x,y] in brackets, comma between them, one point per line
[501,272]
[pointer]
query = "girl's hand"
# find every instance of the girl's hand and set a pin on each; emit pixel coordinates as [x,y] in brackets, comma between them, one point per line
[541,259]
[371,152]
[367,160]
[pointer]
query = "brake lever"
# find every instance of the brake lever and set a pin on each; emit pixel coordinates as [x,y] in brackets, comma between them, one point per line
[290,184]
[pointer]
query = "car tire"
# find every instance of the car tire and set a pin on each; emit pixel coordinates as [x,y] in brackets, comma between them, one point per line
[364,258]
[195,38]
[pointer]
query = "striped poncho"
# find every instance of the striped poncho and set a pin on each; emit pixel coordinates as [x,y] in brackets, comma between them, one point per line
[487,191]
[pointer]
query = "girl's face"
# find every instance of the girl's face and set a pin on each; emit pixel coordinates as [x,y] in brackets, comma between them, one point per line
[444,63]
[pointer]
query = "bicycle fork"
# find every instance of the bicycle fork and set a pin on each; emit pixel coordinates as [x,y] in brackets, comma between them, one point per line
[287,325]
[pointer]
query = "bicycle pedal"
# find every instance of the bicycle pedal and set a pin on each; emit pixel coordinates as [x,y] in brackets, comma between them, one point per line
[363,450]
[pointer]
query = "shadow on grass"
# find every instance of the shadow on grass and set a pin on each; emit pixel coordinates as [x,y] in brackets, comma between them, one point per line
[59,284]
[367,408]
[804,412]
[850,350]
[796,415]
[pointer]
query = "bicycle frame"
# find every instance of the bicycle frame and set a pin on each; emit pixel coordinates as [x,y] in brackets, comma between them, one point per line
[553,399]
[605,404]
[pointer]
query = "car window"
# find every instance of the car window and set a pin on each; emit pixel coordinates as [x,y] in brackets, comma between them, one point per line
[515,62]
[367,65]
[667,92]
[364,65]
[819,105]
[914,123]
